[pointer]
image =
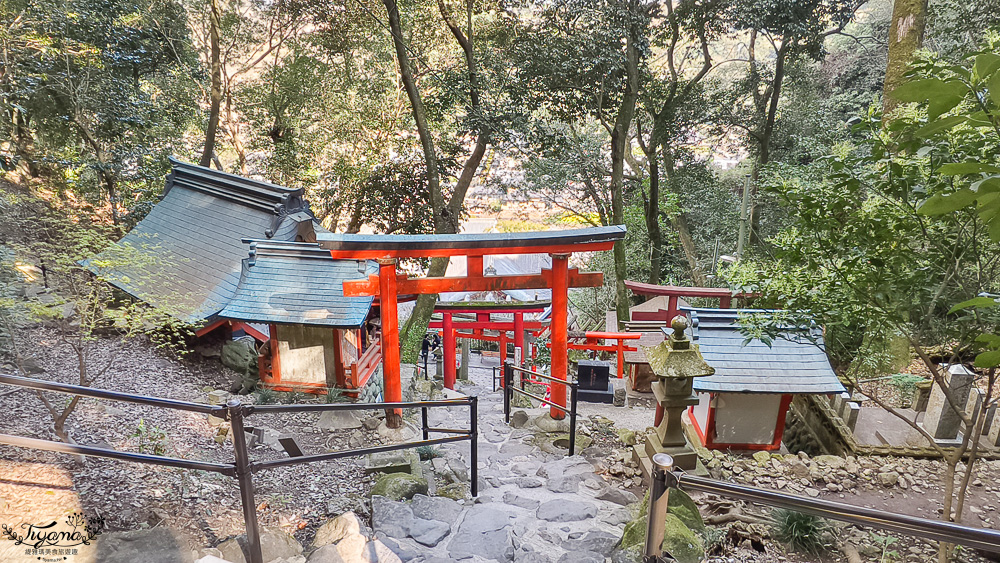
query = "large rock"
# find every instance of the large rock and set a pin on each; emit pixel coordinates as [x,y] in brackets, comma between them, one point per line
[239,356]
[680,505]
[338,420]
[399,486]
[617,496]
[326,554]
[429,532]
[156,545]
[561,510]
[276,544]
[391,518]
[679,541]
[332,531]
[581,557]
[513,499]
[594,541]
[485,532]
[436,508]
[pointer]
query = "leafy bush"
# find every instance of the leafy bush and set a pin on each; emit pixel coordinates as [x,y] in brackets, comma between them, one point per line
[428,453]
[801,532]
[265,396]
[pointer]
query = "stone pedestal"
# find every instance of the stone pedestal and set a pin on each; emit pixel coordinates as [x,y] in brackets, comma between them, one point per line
[941,420]
[463,370]
[676,363]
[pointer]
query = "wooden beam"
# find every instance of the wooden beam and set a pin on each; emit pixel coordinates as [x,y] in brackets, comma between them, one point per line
[419,286]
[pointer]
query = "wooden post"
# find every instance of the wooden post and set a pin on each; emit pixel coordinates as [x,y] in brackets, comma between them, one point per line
[519,335]
[390,340]
[560,330]
[339,365]
[502,345]
[620,345]
[449,351]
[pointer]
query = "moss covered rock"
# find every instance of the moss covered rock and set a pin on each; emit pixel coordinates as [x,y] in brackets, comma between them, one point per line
[399,486]
[681,506]
[682,526]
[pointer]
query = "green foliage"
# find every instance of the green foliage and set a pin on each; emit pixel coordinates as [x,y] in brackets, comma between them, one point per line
[149,440]
[885,542]
[428,453]
[265,396]
[801,532]
[99,93]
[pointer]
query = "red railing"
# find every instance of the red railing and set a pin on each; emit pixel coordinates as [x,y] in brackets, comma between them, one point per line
[361,371]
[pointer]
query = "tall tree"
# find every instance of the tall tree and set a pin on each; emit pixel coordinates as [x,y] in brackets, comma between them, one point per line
[906,35]
[667,100]
[585,60]
[445,211]
[215,96]
[778,33]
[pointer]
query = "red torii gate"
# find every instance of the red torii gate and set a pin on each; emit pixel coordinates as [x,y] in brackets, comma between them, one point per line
[591,344]
[388,284]
[483,310]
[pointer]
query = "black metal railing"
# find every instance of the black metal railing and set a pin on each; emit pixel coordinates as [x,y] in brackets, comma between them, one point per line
[509,389]
[664,478]
[243,468]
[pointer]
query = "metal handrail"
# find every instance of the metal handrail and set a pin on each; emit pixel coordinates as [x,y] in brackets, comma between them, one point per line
[42,385]
[242,468]
[979,538]
[509,388]
[664,478]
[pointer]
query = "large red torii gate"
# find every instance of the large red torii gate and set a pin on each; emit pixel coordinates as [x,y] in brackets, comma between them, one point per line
[388,284]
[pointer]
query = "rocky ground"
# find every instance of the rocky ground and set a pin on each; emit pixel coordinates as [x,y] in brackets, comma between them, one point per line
[535,504]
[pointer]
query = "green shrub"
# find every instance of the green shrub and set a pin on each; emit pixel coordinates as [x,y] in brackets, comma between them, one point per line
[265,396]
[427,453]
[801,532]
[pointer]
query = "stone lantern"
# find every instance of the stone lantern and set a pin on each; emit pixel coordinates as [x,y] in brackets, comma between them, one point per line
[676,362]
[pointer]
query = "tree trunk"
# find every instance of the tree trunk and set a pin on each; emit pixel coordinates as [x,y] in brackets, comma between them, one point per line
[764,154]
[906,35]
[620,144]
[214,19]
[446,216]
[652,212]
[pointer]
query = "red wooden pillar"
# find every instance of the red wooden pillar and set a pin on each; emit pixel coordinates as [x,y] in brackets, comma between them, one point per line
[672,308]
[481,318]
[620,345]
[449,351]
[519,335]
[560,330]
[390,339]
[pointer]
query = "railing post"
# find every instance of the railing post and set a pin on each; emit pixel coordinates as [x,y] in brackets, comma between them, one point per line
[507,373]
[245,479]
[423,421]
[572,418]
[474,442]
[659,498]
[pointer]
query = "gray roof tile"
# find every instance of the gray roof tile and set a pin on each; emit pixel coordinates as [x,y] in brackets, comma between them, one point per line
[185,255]
[791,364]
[298,283]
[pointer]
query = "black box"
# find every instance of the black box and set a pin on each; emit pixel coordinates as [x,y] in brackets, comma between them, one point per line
[594,381]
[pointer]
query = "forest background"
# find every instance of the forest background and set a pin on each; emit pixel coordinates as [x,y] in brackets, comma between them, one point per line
[403,118]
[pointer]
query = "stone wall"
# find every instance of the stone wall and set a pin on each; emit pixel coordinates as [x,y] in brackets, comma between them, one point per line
[811,428]
[372,391]
[813,425]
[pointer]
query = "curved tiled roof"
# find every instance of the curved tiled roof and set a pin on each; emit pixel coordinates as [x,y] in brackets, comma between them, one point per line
[298,283]
[794,363]
[185,256]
